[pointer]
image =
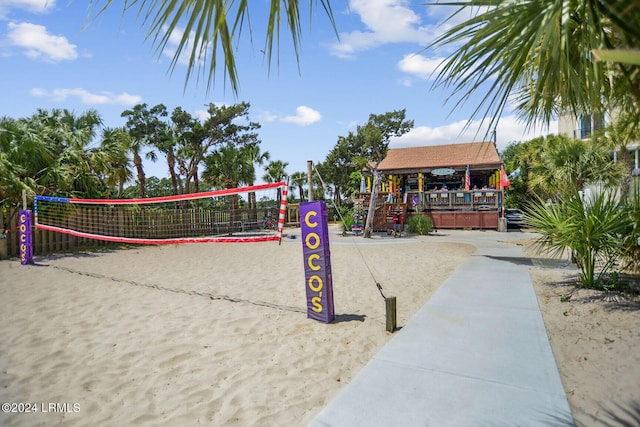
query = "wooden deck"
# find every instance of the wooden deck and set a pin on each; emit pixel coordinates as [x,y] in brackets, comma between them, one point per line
[476,209]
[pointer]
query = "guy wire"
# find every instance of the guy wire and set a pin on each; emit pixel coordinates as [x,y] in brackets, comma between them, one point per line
[378,285]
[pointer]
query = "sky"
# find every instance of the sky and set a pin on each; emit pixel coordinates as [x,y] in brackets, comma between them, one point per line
[63,54]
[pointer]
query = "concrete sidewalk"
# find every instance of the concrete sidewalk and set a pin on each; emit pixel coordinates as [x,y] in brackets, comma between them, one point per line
[476,354]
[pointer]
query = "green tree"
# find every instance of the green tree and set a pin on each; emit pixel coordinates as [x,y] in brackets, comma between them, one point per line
[228,167]
[74,168]
[275,171]
[55,153]
[116,166]
[299,180]
[589,228]
[255,157]
[539,54]
[340,163]
[195,140]
[370,145]
[24,156]
[145,126]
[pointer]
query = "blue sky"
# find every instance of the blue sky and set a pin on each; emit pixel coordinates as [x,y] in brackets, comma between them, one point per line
[57,54]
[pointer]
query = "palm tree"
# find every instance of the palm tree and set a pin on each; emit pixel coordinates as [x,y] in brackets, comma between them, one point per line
[22,155]
[115,144]
[144,126]
[299,179]
[562,166]
[540,53]
[214,24]
[227,167]
[72,169]
[254,157]
[275,171]
[590,229]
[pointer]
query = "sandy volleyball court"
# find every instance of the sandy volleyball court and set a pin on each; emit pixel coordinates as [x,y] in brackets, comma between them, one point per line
[216,334]
[200,334]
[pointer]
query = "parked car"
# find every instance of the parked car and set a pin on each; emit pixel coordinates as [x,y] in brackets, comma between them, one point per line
[515,217]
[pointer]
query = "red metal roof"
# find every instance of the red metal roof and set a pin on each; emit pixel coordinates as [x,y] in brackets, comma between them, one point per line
[474,154]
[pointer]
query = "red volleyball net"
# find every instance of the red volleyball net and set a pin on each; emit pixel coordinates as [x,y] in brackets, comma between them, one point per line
[244,214]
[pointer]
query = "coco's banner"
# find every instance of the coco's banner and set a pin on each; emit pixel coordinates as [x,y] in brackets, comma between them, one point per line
[317,261]
[24,235]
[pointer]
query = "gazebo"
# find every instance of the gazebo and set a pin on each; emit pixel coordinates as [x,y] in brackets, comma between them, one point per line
[457,185]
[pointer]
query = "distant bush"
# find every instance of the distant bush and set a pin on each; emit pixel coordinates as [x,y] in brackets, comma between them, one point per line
[419,224]
[347,221]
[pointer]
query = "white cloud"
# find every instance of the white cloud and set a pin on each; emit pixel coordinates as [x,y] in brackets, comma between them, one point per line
[202,115]
[266,117]
[420,66]
[304,116]
[172,46]
[87,97]
[33,6]
[386,21]
[39,44]
[510,129]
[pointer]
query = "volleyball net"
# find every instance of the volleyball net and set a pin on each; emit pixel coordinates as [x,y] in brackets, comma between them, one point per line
[244,214]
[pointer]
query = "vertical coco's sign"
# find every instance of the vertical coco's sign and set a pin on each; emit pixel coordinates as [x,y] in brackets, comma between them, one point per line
[24,235]
[317,261]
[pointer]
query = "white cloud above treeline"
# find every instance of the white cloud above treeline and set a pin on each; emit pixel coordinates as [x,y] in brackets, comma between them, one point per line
[86,97]
[304,116]
[510,129]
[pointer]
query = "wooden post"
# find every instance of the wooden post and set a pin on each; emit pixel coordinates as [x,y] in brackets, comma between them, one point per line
[390,303]
[310,179]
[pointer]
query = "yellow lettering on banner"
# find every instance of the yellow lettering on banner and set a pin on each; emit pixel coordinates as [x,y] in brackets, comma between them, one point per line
[23,238]
[310,262]
[317,306]
[307,219]
[23,218]
[316,242]
[317,288]
[23,228]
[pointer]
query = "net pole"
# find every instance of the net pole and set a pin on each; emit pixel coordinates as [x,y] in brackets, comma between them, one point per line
[283,209]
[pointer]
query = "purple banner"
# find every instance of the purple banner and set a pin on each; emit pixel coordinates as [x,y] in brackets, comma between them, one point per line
[317,261]
[25,236]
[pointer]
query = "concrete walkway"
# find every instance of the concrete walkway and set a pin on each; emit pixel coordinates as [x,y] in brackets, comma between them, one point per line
[476,354]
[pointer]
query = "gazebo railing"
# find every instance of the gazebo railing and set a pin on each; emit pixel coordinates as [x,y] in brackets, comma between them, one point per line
[486,199]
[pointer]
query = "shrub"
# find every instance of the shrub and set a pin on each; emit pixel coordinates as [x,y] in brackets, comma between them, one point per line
[347,221]
[590,229]
[631,236]
[419,224]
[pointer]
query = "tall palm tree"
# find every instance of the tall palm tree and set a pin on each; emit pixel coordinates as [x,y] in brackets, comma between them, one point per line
[23,156]
[227,167]
[539,53]
[214,24]
[561,166]
[275,171]
[72,171]
[299,180]
[254,157]
[115,144]
[144,126]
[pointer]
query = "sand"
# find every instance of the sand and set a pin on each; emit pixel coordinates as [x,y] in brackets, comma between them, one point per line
[595,338]
[201,334]
[217,334]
